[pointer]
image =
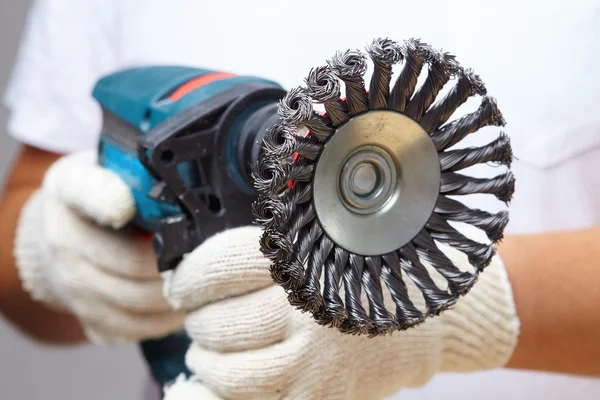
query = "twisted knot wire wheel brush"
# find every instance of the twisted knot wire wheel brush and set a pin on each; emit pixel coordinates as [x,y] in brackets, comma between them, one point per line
[354,209]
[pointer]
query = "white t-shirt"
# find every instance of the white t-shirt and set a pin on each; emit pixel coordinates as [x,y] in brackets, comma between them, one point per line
[539,58]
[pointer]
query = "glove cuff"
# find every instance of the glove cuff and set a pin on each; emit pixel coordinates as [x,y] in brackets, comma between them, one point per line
[32,255]
[482,331]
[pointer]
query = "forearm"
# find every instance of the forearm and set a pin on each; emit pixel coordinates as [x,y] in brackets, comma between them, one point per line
[29,316]
[555,279]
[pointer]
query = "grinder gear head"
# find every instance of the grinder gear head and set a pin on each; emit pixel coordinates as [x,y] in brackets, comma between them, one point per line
[355,202]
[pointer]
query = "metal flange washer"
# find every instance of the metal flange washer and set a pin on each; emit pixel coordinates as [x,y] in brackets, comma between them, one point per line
[376,183]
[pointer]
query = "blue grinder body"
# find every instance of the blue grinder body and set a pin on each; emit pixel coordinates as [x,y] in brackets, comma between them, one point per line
[183,139]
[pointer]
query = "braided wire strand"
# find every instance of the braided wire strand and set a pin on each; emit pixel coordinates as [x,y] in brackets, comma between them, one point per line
[501,186]
[334,312]
[296,109]
[383,321]
[479,254]
[350,66]
[498,151]
[407,314]
[436,299]
[357,321]
[492,224]
[487,114]
[459,282]
[468,84]
[413,51]
[442,66]
[324,87]
[384,53]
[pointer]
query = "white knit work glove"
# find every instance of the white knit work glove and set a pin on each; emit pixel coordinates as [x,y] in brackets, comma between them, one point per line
[71,256]
[249,343]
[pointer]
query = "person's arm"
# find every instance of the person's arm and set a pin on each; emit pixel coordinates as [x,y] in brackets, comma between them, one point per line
[556,283]
[31,317]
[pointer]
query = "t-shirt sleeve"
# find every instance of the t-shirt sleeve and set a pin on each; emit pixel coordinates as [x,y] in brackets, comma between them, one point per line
[65,46]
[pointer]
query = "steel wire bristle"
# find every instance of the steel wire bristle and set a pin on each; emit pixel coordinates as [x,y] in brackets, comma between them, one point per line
[267,174]
[310,295]
[468,84]
[459,282]
[501,186]
[383,320]
[333,312]
[290,268]
[384,53]
[407,314]
[453,132]
[479,254]
[275,143]
[442,66]
[307,242]
[297,109]
[284,142]
[413,52]
[357,321]
[324,87]
[436,299]
[492,224]
[276,246]
[351,66]
[270,212]
[306,262]
[498,151]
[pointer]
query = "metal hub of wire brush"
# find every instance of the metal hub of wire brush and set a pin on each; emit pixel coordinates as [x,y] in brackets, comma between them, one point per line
[367,178]
[376,183]
[361,204]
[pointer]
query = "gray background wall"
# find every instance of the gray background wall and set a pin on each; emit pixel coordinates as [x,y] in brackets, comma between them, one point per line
[29,371]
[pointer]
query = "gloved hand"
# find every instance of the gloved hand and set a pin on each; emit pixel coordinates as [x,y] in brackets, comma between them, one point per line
[71,255]
[248,342]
